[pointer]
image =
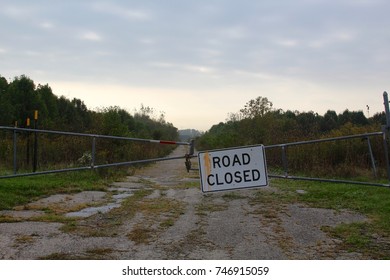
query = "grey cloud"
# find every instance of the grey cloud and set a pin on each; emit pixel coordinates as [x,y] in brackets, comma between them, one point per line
[199,43]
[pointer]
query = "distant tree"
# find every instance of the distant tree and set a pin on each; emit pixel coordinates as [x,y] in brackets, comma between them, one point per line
[115,121]
[330,121]
[291,115]
[308,122]
[379,118]
[21,94]
[353,117]
[49,112]
[3,85]
[73,115]
[20,98]
[6,108]
[256,107]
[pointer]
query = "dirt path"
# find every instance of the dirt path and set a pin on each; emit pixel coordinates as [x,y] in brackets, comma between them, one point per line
[160,213]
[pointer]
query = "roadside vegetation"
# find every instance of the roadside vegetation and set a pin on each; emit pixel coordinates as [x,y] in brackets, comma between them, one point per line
[259,123]
[20,99]
[371,237]
[20,191]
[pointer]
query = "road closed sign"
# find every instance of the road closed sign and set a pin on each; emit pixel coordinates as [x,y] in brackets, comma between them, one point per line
[235,168]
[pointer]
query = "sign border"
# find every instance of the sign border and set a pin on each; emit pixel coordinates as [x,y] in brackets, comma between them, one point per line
[230,149]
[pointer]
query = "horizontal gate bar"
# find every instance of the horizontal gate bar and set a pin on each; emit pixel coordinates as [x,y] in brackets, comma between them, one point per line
[328,180]
[92,167]
[325,140]
[94,135]
[286,176]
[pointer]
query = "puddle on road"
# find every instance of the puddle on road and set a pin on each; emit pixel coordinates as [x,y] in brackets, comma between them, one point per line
[87,212]
[123,190]
[90,211]
[118,191]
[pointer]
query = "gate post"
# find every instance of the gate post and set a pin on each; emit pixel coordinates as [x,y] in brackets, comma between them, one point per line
[35,154]
[192,147]
[284,160]
[385,147]
[93,152]
[15,149]
[385,130]
[387,110]
[371,157]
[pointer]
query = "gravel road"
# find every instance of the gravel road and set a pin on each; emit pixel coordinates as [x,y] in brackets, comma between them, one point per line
[160,213]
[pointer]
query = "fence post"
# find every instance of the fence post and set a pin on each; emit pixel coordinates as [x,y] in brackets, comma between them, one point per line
[284,160]
[93,152]
[15,148]
[387,110]
[192,147]
[385,130]
[386,150]
[28,143]
[35,154]
[371,156]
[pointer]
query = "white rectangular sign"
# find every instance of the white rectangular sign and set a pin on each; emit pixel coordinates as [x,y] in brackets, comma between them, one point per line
[236,168]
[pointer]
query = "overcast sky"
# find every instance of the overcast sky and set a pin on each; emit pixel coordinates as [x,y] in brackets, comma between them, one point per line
[198,60]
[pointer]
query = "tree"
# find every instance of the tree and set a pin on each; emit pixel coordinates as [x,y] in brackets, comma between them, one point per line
[330,121]
[115,121]
[49,112]
[21,94]
[309,122]
[357,118]
[256,107]
[6,108]
[3,85]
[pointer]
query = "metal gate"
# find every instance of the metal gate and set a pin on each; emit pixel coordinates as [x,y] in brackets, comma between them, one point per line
[366,136]
[283,152]
[384,134]
[93,148]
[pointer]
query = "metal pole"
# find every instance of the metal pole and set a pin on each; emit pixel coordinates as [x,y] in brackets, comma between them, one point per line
[192,148]
[93,152]
[386,131]
[284,160]
[386,151]
[387,110]
[35,159]
[371,157]
[28,143]
[15,150]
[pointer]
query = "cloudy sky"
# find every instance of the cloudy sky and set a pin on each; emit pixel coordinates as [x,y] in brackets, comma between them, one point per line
[198,60]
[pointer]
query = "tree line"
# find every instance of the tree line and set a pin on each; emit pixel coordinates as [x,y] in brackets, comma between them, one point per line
[259,123]
[20,98]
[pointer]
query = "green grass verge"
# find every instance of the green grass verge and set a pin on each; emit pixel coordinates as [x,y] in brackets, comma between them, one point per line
[19,191]
[371,238]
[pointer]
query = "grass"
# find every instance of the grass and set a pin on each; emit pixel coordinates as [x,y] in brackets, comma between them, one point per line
[162,209]
[140,235]
[232,196]
[104,224]
[19,191]
[371,238]
[92,254]
[207,206]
